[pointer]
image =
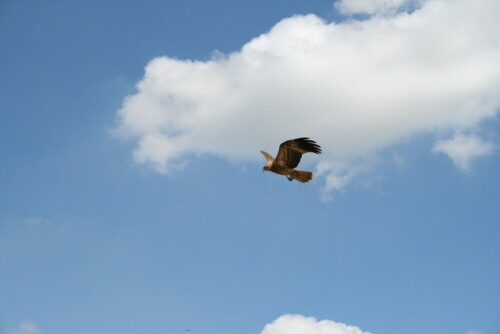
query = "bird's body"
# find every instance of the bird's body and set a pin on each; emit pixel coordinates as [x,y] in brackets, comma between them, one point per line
[289,155]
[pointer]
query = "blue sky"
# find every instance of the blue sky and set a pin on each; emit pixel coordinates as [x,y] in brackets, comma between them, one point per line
[104,227]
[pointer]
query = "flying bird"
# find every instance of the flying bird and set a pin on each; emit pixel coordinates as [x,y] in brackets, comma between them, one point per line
[288,158]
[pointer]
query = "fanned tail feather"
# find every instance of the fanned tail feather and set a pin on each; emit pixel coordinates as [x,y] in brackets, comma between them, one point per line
[301,176]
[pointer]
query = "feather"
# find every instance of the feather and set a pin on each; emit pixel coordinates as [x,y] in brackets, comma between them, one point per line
[291,151]
[269,158]
[302,176]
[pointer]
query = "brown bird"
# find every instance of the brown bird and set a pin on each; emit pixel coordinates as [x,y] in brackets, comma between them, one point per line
[288,158]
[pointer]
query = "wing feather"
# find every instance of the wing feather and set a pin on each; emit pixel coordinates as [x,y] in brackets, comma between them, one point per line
[290,151]
[269,158]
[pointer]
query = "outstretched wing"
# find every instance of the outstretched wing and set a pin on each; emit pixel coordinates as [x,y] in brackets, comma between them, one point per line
[269,158]
[291,151]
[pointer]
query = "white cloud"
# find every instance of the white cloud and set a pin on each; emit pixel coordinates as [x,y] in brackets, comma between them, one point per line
[26,327]
[370,6]
[356,87]
[299,324]
[472,332]
[461,149]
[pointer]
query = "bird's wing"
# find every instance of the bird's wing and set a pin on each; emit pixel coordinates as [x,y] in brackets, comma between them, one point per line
[269,158]
[291,151]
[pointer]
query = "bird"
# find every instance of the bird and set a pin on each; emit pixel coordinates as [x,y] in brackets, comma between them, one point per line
[289,155]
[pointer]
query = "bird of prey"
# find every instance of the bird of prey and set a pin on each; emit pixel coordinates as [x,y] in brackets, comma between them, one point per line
[288,158]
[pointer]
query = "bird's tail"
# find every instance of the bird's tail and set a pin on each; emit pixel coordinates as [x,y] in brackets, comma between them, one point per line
[301,175]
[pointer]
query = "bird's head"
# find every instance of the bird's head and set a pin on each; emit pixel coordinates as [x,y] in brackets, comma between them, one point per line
[266,168]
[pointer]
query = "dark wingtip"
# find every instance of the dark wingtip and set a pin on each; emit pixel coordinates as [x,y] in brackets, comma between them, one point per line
[310,145]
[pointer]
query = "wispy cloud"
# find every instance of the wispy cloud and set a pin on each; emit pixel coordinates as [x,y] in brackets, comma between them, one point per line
[356,87]
[26,327]
[34,221]
[299,324]
[462,149]
[370,6]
